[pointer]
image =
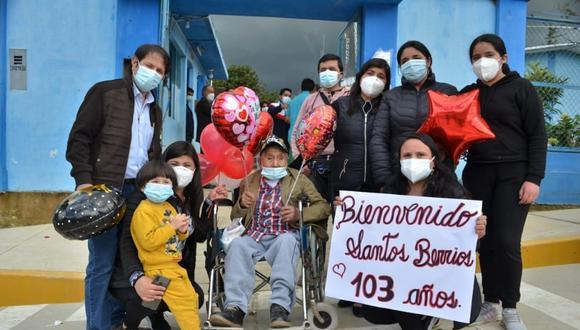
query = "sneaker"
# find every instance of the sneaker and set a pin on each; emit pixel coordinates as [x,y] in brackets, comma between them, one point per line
[489,312]
[279,317]
[511,320]
[344,303]
[357,310]
[232,316]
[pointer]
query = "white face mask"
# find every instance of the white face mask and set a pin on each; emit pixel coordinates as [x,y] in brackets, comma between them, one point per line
[372,86]
[210,97]
[486,68]
[416,169]
[189,98]
[286,99]
[184,176]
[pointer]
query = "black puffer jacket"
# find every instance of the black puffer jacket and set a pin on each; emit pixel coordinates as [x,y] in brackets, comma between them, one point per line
[351,169]
[403,111]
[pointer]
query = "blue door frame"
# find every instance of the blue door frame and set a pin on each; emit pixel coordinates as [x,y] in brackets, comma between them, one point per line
[3,88]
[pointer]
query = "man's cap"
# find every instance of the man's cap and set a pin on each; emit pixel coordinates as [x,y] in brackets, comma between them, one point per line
[274,140]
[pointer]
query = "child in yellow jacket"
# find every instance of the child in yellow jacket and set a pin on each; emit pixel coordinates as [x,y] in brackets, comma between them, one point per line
[159,234]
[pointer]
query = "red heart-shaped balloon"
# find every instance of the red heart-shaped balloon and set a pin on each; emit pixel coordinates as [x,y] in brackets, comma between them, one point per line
[249,97]
[315,131]
[262,131]
[230,117]
[209,169]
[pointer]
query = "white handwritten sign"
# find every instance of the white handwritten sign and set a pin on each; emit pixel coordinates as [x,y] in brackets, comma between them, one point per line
[407,253]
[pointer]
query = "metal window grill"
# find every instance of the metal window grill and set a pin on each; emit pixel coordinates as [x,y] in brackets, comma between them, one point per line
[553,67]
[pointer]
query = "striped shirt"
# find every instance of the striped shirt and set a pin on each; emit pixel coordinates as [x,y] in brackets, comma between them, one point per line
[267,220]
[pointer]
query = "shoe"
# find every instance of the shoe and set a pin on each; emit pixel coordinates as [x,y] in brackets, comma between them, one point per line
[279,317]
[511,320]
[232,316]
[489,312]
[344,303]
[357,310]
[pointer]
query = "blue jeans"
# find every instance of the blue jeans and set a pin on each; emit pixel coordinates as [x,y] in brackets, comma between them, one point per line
[281,252]
[103,311]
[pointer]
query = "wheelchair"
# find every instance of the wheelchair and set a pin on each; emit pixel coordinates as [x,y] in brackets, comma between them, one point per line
[316,314]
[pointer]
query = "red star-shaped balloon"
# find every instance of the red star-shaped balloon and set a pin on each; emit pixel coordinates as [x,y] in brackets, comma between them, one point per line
[456,122]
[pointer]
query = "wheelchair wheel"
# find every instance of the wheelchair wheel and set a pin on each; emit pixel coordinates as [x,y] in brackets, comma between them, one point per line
[317,255]
[328,315]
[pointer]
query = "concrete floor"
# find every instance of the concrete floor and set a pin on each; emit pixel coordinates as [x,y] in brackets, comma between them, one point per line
[550,300]
[550,295]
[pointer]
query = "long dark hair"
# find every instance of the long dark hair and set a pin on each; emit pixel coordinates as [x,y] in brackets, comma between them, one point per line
[193,191]
[355,90]
[441,183]
[496,42]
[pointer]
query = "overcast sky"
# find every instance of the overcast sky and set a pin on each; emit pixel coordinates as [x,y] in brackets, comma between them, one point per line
[282,51]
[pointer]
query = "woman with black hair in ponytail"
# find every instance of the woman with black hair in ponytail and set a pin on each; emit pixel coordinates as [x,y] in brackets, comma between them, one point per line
[128,283]
[504,173]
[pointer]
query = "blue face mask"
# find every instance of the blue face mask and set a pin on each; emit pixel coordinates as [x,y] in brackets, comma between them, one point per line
[274,173]
[146,79]
[328,78]
[157,192]
[414,70]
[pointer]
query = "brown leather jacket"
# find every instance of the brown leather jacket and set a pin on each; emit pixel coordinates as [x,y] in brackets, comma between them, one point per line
[100,138]
[319,209]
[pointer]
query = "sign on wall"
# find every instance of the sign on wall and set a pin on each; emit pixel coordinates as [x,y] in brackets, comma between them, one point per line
[407,253]
[349,48]
[17,58]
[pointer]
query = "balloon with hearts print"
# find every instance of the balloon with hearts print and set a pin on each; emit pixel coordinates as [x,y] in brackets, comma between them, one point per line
[315,131]
[233,119]
[249,97]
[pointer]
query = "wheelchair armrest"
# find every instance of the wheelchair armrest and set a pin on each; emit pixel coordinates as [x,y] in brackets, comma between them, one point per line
[305,201]
[223,202]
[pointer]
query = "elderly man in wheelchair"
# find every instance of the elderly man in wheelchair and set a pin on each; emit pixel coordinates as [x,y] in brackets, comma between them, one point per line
[271,234]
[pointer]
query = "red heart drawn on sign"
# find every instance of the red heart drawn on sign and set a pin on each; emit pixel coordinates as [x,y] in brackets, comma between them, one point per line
[339,269]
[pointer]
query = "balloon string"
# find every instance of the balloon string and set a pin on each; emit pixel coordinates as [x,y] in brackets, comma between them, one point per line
[295,181]
[246,184]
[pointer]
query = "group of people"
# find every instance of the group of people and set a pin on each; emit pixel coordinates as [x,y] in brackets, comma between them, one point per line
[376,148]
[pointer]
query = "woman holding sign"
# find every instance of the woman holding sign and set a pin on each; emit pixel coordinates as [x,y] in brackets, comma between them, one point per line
[420,172]
[504,173]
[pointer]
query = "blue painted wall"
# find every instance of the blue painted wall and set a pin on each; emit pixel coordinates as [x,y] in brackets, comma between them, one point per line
[186,69]
[137,24]
[67,54]
[510,25]
[3,77]
[379,31]
[561,184]
[447,28]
